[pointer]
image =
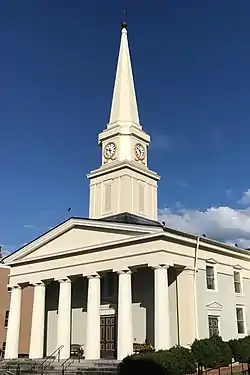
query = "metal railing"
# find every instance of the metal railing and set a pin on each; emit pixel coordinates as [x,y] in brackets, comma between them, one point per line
[53,355]
[66,364]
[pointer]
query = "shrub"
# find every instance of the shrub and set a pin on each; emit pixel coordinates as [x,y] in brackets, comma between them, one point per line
[240,349]
[140,364]
[212,352]
[177,361]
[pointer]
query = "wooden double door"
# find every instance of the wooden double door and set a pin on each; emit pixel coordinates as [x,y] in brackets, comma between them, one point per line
[108,336]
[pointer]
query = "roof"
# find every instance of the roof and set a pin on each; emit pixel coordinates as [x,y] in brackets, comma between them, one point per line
[123,218]
[127,218]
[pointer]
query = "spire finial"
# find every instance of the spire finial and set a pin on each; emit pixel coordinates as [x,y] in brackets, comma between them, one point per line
[124,105]
[124,23]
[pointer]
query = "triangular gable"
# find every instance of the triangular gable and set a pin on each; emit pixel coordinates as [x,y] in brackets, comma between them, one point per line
[73,234]
[238,267]
[211,261]
[216,306]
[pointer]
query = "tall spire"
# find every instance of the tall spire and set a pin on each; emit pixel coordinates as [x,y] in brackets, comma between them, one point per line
[124,105]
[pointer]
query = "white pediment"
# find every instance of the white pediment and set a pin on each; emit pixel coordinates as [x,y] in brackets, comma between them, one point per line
[211,261]
[215,306]
[75,234]
[237,267]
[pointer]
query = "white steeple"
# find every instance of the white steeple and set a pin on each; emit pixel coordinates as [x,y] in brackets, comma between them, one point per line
[123,182]
[124,105]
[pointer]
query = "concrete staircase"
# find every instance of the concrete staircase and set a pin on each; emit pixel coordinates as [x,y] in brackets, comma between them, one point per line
[52,366]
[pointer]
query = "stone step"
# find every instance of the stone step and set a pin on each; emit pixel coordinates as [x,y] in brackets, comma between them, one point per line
[54,366]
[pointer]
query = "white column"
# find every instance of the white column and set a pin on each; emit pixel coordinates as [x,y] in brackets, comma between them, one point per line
[12,339]
[125,328]
[37,323]
[187,312]
[64,318]
[92,347]
[161,308]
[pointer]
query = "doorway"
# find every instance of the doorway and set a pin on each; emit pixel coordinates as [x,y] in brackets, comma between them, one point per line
[108,336]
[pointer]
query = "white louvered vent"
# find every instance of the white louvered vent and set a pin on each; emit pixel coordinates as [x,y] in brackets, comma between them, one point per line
[107,197]
[141,197]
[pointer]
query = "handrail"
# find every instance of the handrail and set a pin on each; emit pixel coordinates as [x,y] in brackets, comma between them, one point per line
[64,363]
[57,351]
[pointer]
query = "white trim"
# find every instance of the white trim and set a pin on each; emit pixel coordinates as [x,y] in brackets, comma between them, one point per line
[237,267]
[213,265]
[243,307]
[96,247]
[216,315]
[71,223]
[106,310]
[211,261]
[214,307]
[241,283]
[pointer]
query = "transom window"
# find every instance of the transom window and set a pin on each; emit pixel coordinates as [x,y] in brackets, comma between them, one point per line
[210,277]
[213,325]
[240,320]
[237,282]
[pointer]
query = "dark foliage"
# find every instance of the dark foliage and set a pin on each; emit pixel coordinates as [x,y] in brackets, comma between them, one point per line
[240,349]
[212,352]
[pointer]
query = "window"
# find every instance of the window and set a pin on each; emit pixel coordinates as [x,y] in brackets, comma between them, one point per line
[213,325]
[237,282]
[210,277]
[3,349]
[6,319]
[240,320]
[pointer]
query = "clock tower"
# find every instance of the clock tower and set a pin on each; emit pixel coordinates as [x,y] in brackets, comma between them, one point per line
[123,183]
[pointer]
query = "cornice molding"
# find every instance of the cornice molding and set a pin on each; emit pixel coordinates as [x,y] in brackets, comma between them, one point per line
[74,223]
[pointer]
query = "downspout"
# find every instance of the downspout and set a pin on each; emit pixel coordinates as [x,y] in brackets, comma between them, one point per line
[195,287]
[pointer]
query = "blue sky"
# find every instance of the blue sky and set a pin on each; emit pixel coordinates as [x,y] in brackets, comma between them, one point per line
[191,64]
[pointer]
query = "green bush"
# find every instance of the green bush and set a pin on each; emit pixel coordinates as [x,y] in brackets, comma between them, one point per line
[212,352]
[136,364]
[240,349]
[176,361]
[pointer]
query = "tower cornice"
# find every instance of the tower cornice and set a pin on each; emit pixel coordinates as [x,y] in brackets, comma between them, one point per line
[123,165]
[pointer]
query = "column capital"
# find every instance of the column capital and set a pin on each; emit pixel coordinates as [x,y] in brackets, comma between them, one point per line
[63,280]
[36,283]
[159,266]
[122,271]
[93,276]
[15,286]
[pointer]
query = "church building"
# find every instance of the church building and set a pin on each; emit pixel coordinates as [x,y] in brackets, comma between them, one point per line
[119,277]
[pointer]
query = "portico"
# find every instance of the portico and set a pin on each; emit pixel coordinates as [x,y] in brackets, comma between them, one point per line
[98,294]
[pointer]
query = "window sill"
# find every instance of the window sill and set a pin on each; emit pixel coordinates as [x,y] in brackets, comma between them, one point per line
[212,290]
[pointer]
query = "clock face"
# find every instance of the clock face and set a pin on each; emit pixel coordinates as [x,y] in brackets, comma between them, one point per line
[139,151]
[109,150]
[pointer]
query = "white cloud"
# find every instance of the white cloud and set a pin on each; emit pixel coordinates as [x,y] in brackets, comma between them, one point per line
[228,192]
[224,224]
[245,199]
[29,226]
[6,250]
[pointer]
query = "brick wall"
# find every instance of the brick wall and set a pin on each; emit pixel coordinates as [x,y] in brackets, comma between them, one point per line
[26,311]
